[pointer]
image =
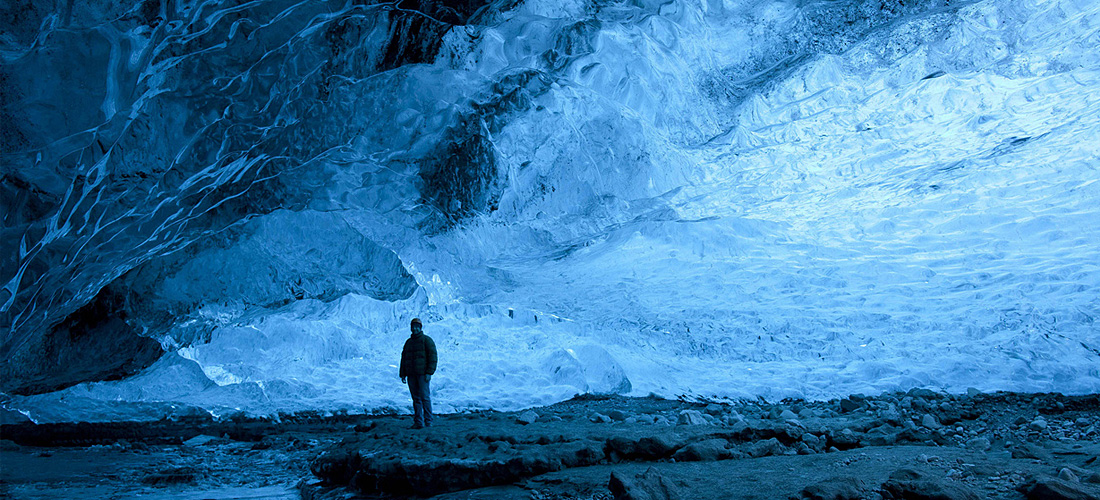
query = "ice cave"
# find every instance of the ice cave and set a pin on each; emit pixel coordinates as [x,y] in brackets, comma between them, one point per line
[230,210]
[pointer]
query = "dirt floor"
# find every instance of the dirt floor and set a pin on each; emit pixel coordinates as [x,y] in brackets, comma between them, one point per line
[913,445]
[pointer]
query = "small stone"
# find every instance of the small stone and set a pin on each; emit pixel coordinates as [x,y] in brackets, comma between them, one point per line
[600,418]
[1039,424]
[691,417]
[527,417]
[1082,422]
[1021,420]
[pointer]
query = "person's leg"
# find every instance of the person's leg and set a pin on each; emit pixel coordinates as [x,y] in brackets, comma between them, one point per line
[426,399]
[418,406]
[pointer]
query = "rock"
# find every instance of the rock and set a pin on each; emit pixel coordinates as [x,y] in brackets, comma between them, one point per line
[600,418]
[924,489]
[978,444]
[837,488]
[1082,422]
[199,440]
[1031,451]
[617,415]
[631,420]
[714,409]
[923,393]
[703,451]
[1039,424]
[691,417]
[658,446]
[788,415]
[847,405]
[813,441]
[891,416]
[649,485]
[1020,420]
[930,422]
[765,448]
[1068,475]
[845,439]
[806,413]
[970,391]
[1057,489]
[528,417]
[9,445]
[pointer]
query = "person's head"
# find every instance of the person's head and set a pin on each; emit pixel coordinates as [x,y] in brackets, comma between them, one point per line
[416,326]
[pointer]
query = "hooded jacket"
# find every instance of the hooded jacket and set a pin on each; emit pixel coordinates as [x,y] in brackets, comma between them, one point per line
[418,357]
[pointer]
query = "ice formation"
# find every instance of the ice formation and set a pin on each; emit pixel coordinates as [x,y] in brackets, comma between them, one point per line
[238,206]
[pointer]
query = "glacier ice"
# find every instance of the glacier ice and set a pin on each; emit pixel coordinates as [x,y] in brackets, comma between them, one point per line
[722,199]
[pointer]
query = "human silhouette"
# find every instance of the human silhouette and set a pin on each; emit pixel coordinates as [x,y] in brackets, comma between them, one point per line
[418,359]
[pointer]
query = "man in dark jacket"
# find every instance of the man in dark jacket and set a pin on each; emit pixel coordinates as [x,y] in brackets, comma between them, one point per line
[417,365]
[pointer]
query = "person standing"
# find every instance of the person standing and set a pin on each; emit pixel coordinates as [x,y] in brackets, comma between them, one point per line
[418,359]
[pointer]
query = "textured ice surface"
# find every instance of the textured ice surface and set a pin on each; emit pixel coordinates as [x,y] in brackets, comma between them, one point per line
[720,199]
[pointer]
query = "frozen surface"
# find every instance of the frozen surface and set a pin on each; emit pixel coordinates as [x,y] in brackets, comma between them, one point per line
[719,199]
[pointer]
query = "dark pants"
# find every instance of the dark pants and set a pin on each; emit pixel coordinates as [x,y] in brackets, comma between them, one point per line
[422,400]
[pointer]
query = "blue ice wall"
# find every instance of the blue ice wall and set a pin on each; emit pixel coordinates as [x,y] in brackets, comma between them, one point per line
[720,199]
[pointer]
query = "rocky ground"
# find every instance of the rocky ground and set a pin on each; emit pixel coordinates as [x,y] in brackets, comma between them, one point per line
[919,444]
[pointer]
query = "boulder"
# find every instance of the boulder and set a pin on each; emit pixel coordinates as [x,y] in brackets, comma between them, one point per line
[1039,424]
[925,489]
[765,448]
[930,422]
[649,485]
[847,405]
[703,451]
[527,417]
[691,417]
[1057,489]
[788,415]
[1068,475]
[978,444]
[836,488]
[618,415]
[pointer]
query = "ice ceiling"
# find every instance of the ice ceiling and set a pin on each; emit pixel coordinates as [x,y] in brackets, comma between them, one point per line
[239,205]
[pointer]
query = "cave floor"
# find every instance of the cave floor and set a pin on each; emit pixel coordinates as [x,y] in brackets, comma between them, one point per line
[914,445]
